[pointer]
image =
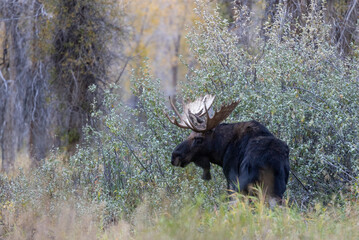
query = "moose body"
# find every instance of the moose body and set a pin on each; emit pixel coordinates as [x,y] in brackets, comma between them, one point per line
[247,151]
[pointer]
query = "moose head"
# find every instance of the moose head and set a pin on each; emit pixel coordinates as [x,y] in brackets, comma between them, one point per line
[247,151]
[197,146]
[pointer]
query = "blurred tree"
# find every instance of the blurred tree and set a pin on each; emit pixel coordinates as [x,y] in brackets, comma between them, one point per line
[52,51]
[159,30]
[15,67]
[83,33]
[39,110]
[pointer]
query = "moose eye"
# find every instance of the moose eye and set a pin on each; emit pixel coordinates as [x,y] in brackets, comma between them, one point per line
[198,140]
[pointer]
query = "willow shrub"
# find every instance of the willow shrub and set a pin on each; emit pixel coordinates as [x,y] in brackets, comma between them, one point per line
[295,83]
[291,79]
[129,158]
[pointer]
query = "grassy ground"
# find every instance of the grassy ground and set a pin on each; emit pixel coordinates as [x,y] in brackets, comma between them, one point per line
[241,220]
[66,216]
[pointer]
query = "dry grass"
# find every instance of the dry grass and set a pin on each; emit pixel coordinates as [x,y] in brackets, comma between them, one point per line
[22,162]
[49,216]
[64,222]
[243,221]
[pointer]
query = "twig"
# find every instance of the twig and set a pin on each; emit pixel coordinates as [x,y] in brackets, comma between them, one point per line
[295,176]
[2,77]
[133,153]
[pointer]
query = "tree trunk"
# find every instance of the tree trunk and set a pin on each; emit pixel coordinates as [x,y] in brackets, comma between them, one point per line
[39,139]
[177,44]
[78,64]
[9,137]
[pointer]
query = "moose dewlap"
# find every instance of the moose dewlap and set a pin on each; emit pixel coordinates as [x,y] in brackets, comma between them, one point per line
[248,153]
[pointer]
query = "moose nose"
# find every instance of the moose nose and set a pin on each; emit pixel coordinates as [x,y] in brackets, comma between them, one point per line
[175,161]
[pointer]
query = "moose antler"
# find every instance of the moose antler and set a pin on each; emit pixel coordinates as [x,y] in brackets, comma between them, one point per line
[197,108]
[196,117]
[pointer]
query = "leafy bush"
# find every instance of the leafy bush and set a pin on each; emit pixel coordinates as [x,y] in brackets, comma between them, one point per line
[295,83]
[130,156]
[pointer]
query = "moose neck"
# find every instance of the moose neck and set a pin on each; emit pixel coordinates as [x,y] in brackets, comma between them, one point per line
[222,135]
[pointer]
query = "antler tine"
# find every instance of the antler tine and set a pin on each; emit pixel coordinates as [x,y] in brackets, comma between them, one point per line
[184,121]
[208,118]
[169,118]
[221,114]
[174,108]
[211,100]
[174,121]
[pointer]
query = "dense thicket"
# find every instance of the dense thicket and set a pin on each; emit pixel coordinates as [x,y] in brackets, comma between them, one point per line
[342,15]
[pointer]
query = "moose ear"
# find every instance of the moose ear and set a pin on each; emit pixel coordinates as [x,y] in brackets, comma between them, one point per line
[198,140]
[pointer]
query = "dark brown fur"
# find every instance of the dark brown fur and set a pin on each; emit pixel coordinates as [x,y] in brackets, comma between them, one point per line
[248,153]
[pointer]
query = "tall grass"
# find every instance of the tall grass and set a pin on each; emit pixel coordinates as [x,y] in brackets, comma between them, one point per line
[242,220]
[256,221]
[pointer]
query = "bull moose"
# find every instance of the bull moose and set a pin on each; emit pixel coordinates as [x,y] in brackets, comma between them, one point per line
[247,151]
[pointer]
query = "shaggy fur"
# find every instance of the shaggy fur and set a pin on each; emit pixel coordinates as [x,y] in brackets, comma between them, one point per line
[248,153]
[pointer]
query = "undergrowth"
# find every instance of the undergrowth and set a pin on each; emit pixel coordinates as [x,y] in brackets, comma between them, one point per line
[241,219]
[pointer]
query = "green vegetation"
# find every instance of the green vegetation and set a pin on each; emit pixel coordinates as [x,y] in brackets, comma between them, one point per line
[120,183]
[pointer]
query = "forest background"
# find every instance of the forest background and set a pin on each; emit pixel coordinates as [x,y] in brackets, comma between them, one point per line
[85,145]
